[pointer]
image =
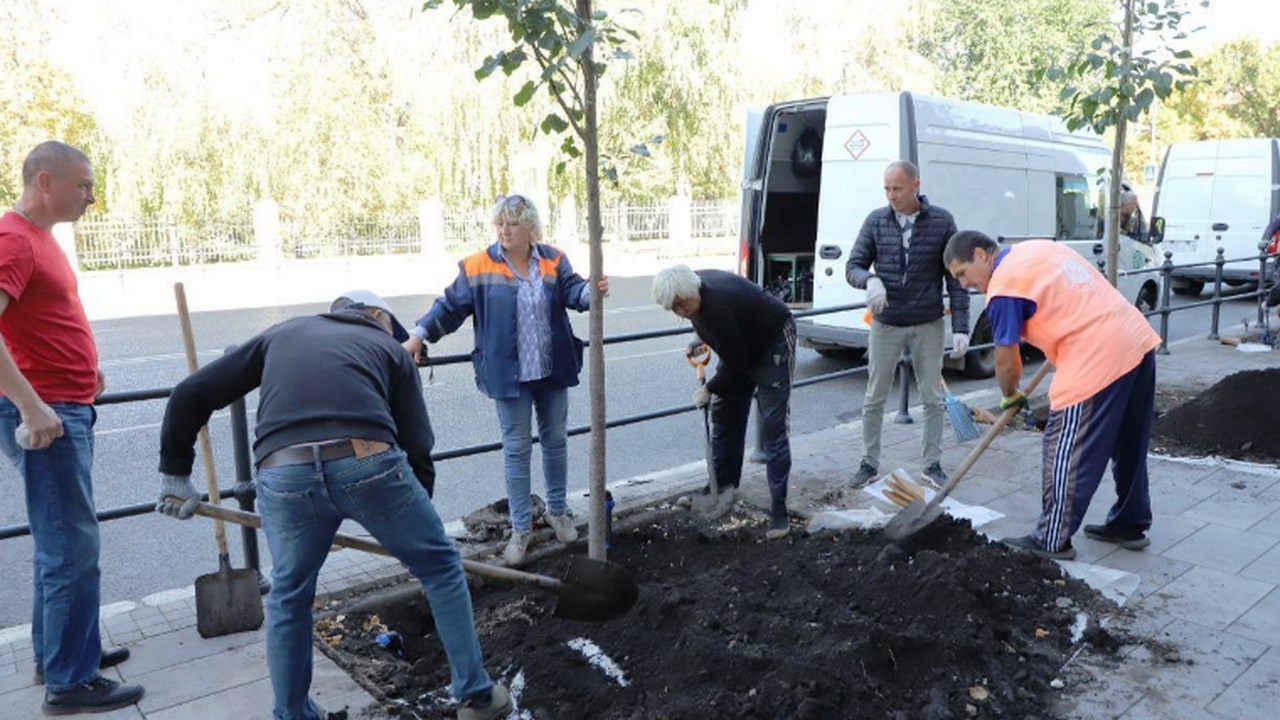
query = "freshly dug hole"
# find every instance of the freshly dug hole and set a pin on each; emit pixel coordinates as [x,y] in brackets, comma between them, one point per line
[846,625]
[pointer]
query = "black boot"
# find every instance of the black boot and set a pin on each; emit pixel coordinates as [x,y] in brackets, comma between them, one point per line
[110,658]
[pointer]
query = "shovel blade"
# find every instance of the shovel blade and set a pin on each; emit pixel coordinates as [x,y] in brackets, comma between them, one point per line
[912,519]
[595,591]
[227,602]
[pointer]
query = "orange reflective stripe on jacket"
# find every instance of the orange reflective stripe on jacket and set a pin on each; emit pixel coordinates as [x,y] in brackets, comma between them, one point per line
[1084,326]
[482,269]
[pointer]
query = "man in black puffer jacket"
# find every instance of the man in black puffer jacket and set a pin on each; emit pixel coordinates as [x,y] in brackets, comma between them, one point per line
[904,243]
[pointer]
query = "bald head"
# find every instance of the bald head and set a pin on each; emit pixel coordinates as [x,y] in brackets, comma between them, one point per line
[51,157]
[902,186]
[906,167]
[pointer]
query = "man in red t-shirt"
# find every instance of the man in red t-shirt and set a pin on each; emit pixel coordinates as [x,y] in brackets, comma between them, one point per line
[49,378]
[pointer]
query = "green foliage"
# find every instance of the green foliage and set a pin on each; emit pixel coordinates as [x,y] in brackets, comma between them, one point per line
[989,51]
[38,100]
[1112,82]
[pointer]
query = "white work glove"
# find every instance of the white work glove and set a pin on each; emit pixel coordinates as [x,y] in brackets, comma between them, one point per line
[959,345]
[180,487]
[701,396]
[877,296]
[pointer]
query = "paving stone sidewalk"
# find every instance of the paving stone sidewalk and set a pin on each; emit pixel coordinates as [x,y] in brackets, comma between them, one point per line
[1209,588]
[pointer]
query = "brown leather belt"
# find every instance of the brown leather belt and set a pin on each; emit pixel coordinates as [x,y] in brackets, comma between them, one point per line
[336,450]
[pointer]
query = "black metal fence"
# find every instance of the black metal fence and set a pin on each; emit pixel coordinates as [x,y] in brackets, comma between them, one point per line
[242,448]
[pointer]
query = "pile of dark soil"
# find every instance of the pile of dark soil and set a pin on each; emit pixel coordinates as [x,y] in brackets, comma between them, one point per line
[1239,417]
[844,625]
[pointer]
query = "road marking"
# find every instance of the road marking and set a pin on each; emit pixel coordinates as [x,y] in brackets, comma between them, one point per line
[153,426]
[141,359]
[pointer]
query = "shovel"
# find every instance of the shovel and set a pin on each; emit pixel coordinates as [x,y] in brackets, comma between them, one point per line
[227,601]
[707,507]
[592,590]
[918,515]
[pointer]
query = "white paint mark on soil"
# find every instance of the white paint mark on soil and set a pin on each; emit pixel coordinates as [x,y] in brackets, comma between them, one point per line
[596,657]
[1078,627]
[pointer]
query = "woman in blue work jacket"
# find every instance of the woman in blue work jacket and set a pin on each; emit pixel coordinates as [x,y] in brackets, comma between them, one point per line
[526,356]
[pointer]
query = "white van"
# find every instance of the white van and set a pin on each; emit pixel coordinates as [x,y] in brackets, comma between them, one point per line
[1013,175]
[1217,194]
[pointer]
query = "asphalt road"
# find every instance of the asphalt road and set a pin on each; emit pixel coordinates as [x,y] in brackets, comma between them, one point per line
[146,554]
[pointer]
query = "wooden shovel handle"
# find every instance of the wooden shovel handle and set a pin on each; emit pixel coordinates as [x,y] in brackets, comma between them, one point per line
[497,572]
[206,446]
[996,427]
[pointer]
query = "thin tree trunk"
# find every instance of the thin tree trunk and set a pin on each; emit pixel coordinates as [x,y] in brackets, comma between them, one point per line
[1117,165]
[596,529]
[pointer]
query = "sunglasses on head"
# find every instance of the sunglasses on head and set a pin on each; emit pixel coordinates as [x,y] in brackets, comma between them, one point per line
[512,200]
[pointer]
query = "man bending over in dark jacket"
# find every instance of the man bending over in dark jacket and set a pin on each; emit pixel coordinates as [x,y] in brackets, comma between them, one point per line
[342,433]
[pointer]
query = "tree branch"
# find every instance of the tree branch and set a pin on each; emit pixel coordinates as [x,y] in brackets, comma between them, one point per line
[573,122]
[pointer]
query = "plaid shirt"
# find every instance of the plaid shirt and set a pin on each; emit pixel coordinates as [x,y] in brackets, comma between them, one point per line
[533,326]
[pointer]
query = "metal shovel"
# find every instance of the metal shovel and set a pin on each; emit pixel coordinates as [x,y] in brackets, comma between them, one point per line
[707,507]
[592,590]
[918,515]
[227,601]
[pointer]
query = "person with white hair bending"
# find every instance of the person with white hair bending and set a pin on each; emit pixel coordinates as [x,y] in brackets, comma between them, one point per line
[526,356]
[754,336]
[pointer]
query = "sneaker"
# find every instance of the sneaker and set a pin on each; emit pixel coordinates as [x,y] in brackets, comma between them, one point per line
[1127,538]
[110,658]
[866,475]
[1029,544]
[934,475]
[779,524]
[499,705]
[566,532]
[97,695]
[517,546]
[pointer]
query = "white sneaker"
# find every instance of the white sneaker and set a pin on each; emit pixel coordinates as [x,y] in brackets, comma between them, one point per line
[566,532]
[516,546]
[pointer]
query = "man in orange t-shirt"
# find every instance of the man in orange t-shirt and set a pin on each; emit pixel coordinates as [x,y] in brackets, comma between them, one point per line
[1102,399]
[49,378]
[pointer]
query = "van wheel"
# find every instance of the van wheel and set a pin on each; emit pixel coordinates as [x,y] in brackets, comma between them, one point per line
[1191,288]
[839,352]
[981,364]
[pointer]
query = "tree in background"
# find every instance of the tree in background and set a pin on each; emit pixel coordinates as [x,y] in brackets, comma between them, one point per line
[38,100]
[1114,85]
[988,51]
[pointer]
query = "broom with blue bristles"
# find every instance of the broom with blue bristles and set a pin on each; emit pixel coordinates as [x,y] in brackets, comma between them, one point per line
[960,415]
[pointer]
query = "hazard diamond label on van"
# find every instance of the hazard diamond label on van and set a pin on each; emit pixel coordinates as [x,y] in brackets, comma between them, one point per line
[857,144]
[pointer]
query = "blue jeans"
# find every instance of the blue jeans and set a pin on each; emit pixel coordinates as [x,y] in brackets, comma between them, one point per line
[552,404]
[302,507]
[59,490]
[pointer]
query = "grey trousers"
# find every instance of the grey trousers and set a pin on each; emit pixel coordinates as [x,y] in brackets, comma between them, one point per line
[926,343]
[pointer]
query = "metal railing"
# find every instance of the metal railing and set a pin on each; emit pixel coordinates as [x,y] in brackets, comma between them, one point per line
[242,448]
[243,451]
[303,238]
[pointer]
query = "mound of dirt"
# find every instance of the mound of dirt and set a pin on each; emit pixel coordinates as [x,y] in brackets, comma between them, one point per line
[1239,417]
[733,626]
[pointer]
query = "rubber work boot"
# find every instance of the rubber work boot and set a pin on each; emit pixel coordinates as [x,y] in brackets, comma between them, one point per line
[564,527]
[1127,538]
[866,475]
[110,658]
[498,706]
[517,546]
[1029,544]
[97,695]
[779,523]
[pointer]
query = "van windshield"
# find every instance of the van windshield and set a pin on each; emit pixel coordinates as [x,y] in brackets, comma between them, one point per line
[1077,209]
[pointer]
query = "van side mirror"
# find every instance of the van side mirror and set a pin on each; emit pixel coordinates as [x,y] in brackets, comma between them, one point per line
[1156,235]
